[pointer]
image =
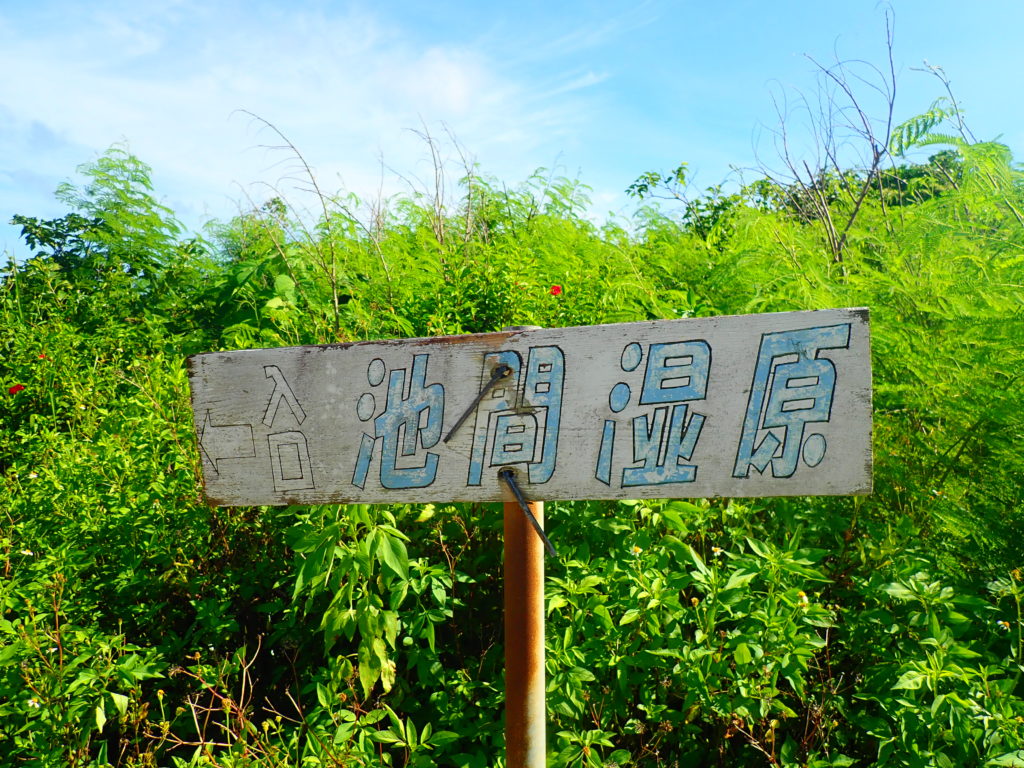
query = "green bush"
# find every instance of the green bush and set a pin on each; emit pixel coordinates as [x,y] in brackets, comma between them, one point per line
[140,627]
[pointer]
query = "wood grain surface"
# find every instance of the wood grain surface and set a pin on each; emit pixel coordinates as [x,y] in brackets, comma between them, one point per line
[753,405]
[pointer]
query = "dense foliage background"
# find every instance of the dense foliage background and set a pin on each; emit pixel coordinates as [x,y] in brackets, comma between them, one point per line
[141,627]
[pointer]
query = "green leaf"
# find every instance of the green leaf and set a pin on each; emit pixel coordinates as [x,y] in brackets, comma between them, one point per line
[1013,759]
[629,617]
[392,555]
[120,702]
[101,716]
[899,591]
[739,578]
[742,654]
[910,680]
[674,519]
[602,614]
[385,666]
[284,287]
[396,721]
[758,548]
[555,602]
[698,561]
[441,738]
[387,675]
[9,653]
[789,751]
[411,739]
[369,667]
[582,675]
[391,627]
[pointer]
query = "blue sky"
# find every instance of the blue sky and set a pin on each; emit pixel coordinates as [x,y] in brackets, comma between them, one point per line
[597,90]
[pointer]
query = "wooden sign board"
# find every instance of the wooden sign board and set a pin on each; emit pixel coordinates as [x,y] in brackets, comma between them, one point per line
[755,405]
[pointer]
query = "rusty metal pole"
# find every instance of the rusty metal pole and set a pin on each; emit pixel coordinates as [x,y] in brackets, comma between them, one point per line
[525,708]
[525,715]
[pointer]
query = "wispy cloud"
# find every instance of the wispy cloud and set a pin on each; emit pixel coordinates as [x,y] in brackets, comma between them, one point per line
[586,80]
[344,86]
[593,31]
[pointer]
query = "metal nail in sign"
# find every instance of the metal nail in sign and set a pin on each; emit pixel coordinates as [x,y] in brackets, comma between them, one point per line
[753,405]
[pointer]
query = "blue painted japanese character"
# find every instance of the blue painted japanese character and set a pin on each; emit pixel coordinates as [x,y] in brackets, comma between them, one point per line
[518,423]
[792,387]
[410,422]
[664,437]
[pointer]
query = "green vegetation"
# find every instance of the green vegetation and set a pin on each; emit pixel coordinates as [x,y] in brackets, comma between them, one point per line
[140,627]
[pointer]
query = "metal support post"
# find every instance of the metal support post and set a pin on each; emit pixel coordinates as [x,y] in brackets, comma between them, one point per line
[525,715]
[525,707]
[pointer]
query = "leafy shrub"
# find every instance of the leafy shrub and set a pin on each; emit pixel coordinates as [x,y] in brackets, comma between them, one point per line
[140,627]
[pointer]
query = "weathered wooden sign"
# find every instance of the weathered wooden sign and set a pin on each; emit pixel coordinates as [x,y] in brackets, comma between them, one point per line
[754,405]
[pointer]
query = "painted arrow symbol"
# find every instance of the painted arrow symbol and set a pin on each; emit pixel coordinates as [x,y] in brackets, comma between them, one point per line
[228,441]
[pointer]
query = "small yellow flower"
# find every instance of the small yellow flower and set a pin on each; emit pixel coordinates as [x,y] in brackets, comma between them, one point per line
[635,550]
[1004,625]
[694,602]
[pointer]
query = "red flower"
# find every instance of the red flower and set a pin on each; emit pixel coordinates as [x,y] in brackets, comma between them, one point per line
[15,389]
[556,290]
[42,356]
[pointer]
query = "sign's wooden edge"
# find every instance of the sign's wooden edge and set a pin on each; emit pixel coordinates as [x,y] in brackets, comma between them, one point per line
[862,313]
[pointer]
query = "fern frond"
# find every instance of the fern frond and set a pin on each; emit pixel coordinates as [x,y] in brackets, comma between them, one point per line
[910,133]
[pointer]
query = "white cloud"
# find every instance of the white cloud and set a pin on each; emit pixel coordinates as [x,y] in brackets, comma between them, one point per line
[344,88]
